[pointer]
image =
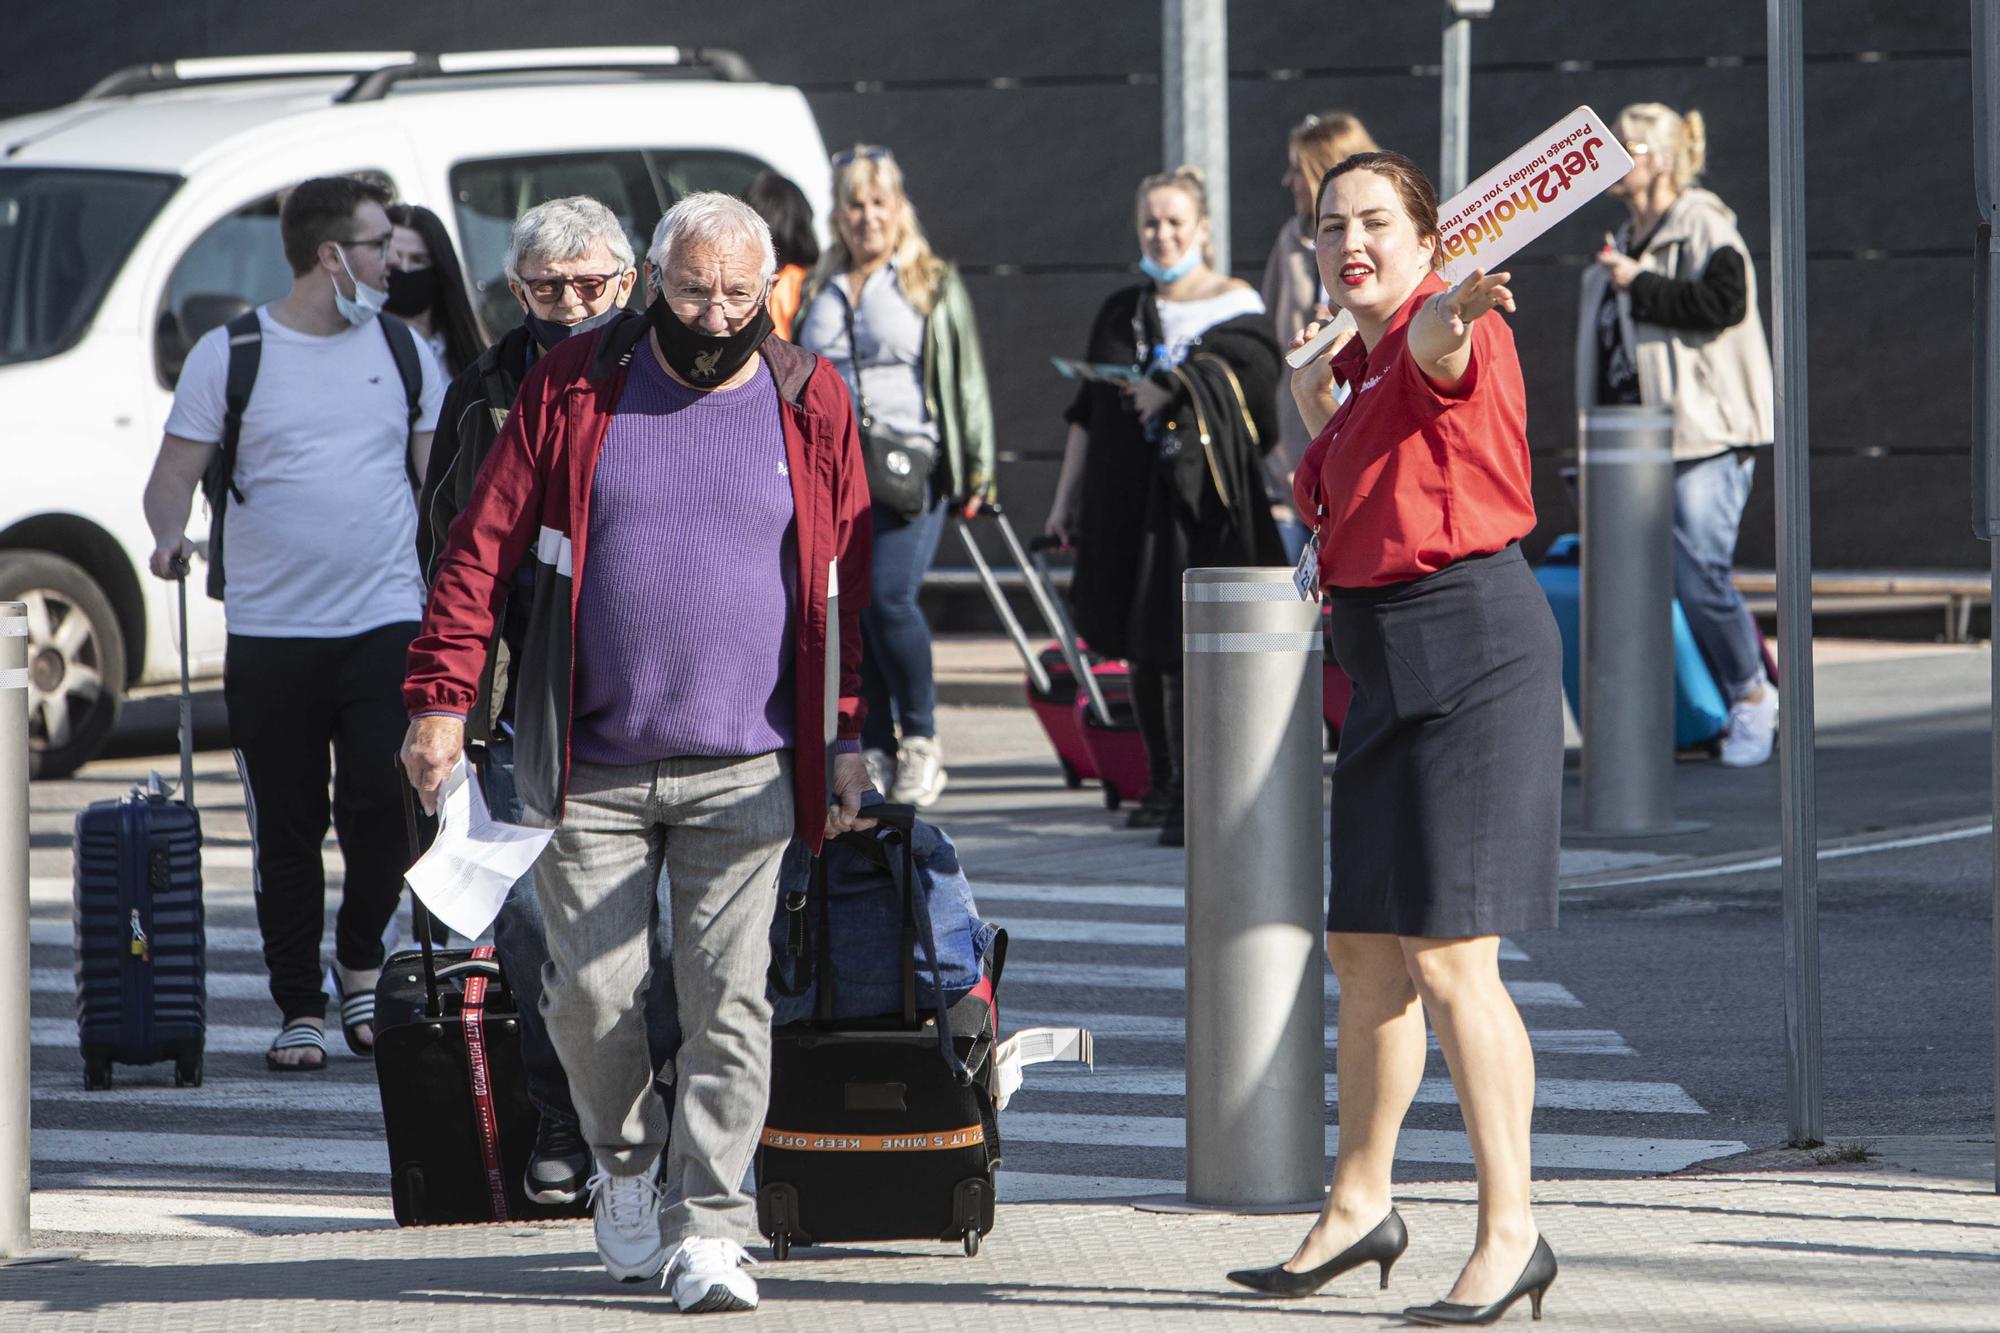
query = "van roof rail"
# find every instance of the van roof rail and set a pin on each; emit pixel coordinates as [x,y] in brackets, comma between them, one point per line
[377,72]
[161,75]
[716,62]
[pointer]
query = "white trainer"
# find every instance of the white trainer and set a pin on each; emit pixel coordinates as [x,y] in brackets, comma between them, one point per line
[627,1216]
[706,1276]
[1752,728]
[919,772]
[881,770]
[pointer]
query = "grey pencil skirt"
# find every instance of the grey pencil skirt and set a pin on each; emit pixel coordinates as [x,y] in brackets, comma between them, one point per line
[1447,793]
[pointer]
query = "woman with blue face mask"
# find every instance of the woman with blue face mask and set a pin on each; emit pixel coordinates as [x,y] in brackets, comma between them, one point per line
[1165,474]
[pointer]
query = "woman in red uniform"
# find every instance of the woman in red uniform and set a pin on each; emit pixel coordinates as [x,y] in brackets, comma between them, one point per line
[1447,792]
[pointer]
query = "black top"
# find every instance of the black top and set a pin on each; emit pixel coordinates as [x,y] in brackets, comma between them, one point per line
[1149,508]
[1709,303]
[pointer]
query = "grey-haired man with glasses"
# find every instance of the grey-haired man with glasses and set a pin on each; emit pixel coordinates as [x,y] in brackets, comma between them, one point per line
[570,266]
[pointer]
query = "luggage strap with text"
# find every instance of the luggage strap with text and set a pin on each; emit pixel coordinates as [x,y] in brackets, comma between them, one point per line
[485,1117]
[945,1140]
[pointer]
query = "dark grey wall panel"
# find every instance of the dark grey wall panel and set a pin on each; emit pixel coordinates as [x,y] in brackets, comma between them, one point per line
[1008,177]
[1024,128]
[1888,155]
[1874,513]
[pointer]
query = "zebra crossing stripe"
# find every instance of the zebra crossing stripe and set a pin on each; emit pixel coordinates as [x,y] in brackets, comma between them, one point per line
[1570,1152]
[221,1039]
[321,1095]
[1172,1027]
[235,1152]
[1551,1094]
[1128,976]
[367,1157]
[1089,930]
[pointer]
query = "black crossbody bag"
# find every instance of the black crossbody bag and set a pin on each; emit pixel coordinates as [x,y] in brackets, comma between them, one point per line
[899,465]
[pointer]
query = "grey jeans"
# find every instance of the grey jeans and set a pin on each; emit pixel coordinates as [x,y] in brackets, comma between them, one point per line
[720,826]
[518,937]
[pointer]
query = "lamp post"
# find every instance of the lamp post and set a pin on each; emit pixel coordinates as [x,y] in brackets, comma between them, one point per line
[1457,92]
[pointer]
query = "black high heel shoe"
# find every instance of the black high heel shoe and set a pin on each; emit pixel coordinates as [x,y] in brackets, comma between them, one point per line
[1384,1245]
[1533,1283]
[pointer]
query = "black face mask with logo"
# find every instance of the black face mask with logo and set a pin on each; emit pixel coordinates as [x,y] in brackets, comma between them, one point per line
[548,332]
[703,359]
[412,291]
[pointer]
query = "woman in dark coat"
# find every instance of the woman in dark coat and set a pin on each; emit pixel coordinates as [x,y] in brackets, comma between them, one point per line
[1164,474]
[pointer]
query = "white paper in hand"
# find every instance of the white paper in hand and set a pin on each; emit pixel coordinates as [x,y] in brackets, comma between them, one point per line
[466,874]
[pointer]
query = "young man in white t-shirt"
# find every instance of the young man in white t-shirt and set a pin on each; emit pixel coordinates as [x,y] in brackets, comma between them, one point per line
[322,594]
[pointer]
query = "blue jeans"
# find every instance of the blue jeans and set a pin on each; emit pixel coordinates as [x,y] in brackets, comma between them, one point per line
[1709,495]
[896,679]
[520,939]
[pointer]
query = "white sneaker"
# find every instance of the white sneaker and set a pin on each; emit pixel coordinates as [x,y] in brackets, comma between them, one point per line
[707,1276]
[1752,727]
[919,772]
[881,770]
[627,1213]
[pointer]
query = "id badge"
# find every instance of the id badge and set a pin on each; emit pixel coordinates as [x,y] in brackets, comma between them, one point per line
[1306,577]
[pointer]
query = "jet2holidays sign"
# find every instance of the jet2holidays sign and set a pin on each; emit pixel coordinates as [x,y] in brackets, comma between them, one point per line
[1554,174]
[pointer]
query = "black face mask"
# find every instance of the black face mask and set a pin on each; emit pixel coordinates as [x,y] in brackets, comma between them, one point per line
[548,332]
[412,291]
[702,359]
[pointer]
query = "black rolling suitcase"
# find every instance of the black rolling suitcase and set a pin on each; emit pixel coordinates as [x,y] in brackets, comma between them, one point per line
[454,1099]
[141,948]
[883,1129]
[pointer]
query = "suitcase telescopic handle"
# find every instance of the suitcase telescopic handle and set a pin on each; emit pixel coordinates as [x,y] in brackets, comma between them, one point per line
[187,696]
[1038,674]
[1060,626]
[419,917]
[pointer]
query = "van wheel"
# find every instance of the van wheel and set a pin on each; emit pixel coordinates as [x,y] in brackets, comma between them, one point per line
[76,660]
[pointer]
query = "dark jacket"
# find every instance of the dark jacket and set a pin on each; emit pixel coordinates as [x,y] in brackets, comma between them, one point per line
[1152,509]
[475,407]
[533,495]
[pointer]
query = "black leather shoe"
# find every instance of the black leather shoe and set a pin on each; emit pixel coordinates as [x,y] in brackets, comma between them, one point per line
[1384,1245]
[1533,1283]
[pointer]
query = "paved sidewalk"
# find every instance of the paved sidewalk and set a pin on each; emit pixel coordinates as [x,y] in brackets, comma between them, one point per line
[1905,1240]
[1908,1241]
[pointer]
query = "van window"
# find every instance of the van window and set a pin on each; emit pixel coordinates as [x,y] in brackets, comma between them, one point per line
[64,234]
[236,265]
[637,186]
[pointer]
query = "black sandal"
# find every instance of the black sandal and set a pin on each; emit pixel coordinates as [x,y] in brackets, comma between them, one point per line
[357,1010]
[295,1036]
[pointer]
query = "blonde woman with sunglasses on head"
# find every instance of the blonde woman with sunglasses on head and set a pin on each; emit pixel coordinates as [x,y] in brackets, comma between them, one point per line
[896,320]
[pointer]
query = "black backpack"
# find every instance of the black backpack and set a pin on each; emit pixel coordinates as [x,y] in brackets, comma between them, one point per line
[246,349]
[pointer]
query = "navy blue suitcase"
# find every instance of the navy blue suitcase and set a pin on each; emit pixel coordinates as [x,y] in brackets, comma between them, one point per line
[141,945]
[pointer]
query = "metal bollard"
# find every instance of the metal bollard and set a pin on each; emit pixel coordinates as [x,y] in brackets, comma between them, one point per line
[1626,483]
[16,1097]
[14,1030]
[1256,886]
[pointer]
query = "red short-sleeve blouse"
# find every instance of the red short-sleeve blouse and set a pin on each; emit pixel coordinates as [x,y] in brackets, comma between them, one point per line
[1407,477]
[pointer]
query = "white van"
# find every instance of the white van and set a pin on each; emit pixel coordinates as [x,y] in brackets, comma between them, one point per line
[144,214]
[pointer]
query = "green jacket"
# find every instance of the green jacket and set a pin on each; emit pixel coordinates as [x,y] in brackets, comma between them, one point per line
[955,392]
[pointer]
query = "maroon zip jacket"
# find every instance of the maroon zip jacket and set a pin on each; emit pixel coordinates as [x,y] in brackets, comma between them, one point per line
[532,500]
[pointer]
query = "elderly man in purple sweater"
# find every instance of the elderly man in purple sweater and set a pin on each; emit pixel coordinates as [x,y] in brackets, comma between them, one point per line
[693,488]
